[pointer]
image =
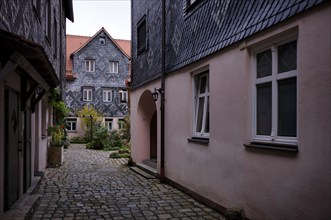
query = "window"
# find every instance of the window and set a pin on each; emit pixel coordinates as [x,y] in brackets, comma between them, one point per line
[275,92]
[113,67]
[109,123]
[48,9]
[201,106]
[55,36]
[141,35]
[71,124]
[102,41]
[107,95]
[87,94]
[123,96]
[90,65]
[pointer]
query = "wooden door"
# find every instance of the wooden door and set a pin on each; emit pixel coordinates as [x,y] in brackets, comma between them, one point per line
[12,153]
[153,137]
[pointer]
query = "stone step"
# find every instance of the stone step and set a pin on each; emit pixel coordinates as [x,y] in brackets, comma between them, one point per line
[142,172]
[152,163]
[26,205]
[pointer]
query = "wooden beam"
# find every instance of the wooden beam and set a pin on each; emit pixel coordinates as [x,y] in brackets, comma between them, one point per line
[31,90]
[35,100]
[27,67]
[9,67]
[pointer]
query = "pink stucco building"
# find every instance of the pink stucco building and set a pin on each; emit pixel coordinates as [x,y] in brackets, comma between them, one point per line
[32,61]
[247,102]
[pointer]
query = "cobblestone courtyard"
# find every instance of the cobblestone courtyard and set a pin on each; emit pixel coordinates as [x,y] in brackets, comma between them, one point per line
[90,185]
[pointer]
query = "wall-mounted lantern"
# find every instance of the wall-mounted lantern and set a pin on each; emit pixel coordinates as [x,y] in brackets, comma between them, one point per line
[156,93]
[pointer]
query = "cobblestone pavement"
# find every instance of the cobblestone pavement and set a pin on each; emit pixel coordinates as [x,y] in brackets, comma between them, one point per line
[90,185]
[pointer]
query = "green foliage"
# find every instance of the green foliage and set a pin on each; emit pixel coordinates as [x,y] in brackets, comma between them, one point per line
[60,109]
[125,131]
[119,155]
[78,140]
[90,117]
[58,135]
[100,137]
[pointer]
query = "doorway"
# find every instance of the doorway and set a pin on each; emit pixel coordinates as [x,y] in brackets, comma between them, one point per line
[12,147]
[153,137]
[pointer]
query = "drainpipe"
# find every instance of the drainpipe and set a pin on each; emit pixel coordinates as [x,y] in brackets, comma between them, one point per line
[163,88]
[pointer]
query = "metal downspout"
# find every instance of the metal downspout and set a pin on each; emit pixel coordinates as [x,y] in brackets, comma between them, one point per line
[162,107]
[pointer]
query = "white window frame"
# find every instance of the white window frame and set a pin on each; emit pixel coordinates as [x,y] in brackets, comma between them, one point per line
[87,94]
[109,121]
[274,78]
[123,96]
[90,65]
[113,66]
[107,95]
[70,122]
[197,87]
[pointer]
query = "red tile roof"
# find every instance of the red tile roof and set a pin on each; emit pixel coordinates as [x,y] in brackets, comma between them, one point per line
[75,43]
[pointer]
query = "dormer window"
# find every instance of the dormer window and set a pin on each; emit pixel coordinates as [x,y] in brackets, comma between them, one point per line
[102,41]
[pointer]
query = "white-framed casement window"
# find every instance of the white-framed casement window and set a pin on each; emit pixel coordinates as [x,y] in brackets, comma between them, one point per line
[109,123]
[113,67]
[275,94]
[90,65]
[123,96]
[107,95]
[201,106]
[71,124]
[87,94]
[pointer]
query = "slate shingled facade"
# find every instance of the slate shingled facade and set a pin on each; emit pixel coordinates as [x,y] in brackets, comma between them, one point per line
[242,117]
[197,31]
[101,78]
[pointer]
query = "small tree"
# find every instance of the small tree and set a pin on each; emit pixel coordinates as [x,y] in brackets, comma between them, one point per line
[86,113]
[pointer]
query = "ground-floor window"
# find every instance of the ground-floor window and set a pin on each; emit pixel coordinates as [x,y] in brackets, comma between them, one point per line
[71,124]
[275,93]
[201,105]
[109,123]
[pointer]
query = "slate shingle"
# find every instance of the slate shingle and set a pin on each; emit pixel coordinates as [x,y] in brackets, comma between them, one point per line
[210,27]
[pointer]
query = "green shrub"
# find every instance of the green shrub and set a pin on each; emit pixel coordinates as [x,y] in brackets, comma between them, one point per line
[78,140]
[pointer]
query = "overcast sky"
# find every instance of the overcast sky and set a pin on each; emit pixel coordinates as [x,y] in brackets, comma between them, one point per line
[91,15]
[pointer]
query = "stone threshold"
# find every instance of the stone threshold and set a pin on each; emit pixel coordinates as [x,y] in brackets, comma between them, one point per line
[25,206]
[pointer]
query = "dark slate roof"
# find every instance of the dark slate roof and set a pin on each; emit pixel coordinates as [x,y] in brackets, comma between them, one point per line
[217,24]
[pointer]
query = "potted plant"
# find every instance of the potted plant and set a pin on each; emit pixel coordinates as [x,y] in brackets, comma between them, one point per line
[55,148]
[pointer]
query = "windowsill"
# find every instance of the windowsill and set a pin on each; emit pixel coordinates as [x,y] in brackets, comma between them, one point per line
[71,131]
[198,140]
[273,146]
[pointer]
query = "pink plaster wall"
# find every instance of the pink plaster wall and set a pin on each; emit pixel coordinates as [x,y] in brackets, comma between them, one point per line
[268,184]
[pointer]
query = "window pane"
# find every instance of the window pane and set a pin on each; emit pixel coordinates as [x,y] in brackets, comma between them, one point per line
[287,57]
[203,82]
[287,107]
[73,126]
[207,117]
[141,32]
[200,114]
[263,64]
[263,109]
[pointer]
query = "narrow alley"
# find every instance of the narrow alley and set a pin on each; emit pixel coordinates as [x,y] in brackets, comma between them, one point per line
[90,185]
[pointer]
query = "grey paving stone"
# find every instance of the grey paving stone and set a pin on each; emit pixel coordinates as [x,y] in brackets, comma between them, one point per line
[90,185]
